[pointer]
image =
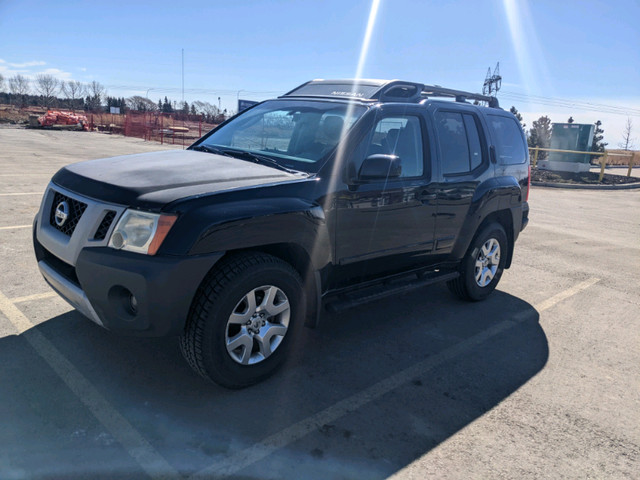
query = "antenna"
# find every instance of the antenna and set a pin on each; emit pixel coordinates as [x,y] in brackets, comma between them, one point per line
[492,82]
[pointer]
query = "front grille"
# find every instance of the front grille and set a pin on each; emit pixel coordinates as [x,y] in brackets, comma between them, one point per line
[76,209]
[101,233]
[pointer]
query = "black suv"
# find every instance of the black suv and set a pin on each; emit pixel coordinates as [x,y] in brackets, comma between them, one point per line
[331,195]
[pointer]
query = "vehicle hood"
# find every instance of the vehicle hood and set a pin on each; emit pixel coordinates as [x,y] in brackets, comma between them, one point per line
[152,180]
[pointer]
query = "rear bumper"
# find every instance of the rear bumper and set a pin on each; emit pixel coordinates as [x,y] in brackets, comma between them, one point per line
[525,215]
[104,281]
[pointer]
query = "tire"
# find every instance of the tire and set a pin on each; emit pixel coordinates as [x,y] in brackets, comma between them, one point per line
[243,320]
[483,264]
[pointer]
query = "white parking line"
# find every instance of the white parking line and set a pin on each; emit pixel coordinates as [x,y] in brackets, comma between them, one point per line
[132,441]
[12,227]
[35,296]
[269,445]
[17,194]
[569,292]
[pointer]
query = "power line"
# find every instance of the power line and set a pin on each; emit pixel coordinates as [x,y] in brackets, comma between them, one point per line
[575,104]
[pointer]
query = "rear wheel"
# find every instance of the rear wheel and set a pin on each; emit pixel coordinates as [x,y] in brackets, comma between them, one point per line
[482,266]
[243,320]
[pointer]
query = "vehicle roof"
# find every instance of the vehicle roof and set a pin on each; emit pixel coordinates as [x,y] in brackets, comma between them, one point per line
[381,91]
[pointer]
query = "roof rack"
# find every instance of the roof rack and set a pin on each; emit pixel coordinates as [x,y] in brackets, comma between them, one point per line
[383,91]
[459,95]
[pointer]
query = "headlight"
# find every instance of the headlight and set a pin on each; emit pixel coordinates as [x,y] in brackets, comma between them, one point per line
[141,232]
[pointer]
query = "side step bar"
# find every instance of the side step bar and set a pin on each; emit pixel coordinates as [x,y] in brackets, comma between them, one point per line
[342,301]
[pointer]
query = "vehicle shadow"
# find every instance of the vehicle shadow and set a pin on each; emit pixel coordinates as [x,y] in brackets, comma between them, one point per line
[482,353]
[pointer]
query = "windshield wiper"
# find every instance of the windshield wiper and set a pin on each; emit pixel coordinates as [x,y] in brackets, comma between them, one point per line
[260,159]
[208,149]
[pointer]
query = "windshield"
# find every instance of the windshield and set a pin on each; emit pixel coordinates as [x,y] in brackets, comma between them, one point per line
[296,134]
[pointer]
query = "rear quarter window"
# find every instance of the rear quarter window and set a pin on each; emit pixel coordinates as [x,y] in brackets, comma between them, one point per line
[508,138]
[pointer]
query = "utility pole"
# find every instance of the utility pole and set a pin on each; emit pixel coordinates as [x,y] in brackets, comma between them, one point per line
[492,82]
[183,77]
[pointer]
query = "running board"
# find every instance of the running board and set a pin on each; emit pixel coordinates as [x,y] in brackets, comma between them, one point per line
[343,301]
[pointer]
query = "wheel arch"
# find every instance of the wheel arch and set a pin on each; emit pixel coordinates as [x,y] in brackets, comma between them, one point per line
[296,256]
[505,219]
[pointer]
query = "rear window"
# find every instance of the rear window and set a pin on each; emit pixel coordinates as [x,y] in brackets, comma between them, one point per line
[508,138]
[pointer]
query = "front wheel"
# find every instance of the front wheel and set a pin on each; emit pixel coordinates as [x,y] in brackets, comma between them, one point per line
[482,266]
[243,320]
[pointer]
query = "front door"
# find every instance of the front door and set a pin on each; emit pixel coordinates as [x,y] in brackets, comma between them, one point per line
[391,219]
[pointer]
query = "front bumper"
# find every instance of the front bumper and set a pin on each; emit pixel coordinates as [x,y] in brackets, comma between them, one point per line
[103,281]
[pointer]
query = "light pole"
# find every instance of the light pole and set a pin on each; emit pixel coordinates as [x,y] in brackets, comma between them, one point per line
[238,99]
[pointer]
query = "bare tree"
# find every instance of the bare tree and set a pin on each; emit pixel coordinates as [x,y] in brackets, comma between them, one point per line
[73,91]
[1,83]
[47,86]
[19,86]
[627,141]
[209,110]
[141,104]
[95,94]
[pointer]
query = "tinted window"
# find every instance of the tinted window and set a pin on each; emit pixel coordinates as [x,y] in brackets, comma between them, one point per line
[401,136]
[508,138]
[475,147]
[460,144]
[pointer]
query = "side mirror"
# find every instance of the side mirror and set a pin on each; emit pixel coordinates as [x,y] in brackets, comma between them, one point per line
[379,167]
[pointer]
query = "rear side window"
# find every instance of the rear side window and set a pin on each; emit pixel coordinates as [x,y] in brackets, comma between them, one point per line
[508,137]
[460,144]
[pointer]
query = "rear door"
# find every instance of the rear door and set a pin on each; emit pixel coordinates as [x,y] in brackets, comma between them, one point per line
[463,162]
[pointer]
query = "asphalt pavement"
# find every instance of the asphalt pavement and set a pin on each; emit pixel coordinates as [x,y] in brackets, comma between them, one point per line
[541,380]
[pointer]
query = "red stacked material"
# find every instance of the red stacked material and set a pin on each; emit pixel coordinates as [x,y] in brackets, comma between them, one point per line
[60,117]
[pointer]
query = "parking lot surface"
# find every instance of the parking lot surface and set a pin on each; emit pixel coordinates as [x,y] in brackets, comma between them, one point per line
[542,380]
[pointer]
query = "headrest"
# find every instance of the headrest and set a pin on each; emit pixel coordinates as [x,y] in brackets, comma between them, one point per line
[332,126]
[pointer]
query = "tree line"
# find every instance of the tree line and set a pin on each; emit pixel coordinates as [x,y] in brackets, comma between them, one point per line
[49,92]
[539,135]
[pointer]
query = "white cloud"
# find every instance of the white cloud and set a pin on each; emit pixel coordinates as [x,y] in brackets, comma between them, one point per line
[56,72]
[82,69]
[34,63]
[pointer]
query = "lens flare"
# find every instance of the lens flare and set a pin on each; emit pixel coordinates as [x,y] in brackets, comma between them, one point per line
[338,163]
[533,70]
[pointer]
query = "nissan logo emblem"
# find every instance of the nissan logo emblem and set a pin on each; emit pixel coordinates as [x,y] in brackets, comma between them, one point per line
[62,213]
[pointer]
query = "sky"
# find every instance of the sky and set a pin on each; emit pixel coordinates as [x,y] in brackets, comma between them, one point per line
[557,58]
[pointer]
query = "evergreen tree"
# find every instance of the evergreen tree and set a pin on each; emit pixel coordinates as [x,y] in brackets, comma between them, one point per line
[518,115]
[597,144]
[193,109]
[540,135]
[159,105]
[185,108]
[571,120]
[166,106]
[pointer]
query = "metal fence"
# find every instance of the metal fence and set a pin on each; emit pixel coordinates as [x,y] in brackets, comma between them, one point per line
[180,129]
[604,157]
